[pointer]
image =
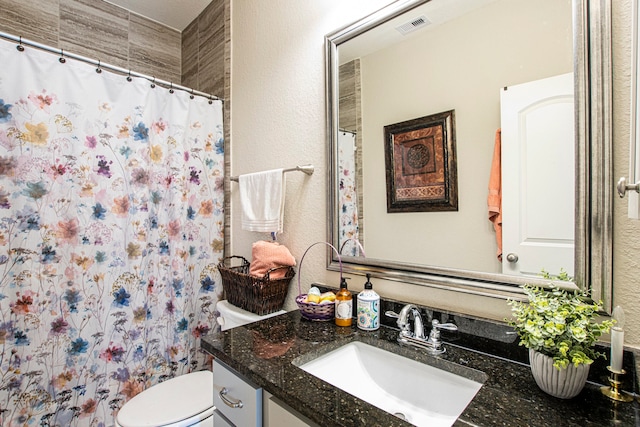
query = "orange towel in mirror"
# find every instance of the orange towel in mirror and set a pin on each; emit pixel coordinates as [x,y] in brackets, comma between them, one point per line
[494,200]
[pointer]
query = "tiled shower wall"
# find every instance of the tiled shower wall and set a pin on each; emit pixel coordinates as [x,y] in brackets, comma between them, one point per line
[199,57]
[206,66]
[203,47]
[97,30]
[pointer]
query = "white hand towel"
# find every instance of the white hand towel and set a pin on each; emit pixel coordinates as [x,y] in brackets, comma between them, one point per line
[262,200]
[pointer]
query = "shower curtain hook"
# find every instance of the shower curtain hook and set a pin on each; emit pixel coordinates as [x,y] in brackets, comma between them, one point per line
[20,47]
[210,99]
[170,87]
[61,59]
[98,70]
[129,76]
[191,96]
[153,83]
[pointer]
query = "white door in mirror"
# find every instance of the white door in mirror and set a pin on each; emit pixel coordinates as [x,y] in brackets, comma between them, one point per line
[538,182]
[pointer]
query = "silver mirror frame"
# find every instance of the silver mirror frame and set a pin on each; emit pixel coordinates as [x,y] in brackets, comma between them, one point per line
[594,166]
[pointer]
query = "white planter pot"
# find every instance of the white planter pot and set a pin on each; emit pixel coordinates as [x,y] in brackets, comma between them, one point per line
[562,383]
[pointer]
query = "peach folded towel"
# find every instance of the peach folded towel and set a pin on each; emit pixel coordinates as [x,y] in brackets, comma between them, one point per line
[267,255]
[494,200]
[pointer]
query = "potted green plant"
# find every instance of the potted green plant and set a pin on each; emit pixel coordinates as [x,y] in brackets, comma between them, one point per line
[560,329]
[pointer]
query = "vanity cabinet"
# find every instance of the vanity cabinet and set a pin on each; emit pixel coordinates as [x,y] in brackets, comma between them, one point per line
[238,403]
[277,413]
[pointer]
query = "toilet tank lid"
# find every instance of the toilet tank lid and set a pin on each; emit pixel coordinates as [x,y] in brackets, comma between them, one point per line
[240,316]
[169,402]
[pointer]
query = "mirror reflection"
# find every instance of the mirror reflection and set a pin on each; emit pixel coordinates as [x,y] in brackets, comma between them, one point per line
[506,68]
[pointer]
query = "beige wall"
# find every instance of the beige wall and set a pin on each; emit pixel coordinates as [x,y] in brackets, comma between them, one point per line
[278,115]
[441,77]
[278,121]
[626,232]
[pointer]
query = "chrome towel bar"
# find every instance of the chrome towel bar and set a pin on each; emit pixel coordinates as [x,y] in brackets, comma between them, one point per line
[308,169]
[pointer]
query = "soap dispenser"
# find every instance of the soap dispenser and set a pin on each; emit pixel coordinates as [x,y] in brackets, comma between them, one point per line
[368,312]
[344,305]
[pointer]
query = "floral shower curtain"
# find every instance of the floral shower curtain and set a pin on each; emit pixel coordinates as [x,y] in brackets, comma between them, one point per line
[111,226]
[347,194]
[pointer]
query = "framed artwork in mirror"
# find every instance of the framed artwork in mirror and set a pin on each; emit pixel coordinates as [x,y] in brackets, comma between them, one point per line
[420,163]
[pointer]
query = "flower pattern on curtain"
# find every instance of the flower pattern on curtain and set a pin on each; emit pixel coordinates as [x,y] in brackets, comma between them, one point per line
[347,194]
[111,226]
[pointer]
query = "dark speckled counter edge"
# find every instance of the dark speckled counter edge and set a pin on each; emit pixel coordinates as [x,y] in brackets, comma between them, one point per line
[266,353]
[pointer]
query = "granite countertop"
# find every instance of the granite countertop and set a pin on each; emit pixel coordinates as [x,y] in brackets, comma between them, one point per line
[265,352]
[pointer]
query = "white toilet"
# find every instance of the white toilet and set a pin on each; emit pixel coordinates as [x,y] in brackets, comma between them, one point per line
[187,400]
[182,401]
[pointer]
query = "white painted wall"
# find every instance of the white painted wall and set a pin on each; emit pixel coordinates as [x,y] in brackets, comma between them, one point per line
[278,120]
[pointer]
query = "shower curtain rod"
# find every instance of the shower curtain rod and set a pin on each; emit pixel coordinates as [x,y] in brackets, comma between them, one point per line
[100,65]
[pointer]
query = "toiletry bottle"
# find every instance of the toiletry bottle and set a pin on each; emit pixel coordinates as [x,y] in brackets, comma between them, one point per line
[344,305]
[368,312]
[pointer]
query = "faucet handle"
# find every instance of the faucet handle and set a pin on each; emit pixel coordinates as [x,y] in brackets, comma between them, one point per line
[402,323]
[448,326]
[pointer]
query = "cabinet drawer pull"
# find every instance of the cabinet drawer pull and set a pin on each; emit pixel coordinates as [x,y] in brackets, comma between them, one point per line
[228,402]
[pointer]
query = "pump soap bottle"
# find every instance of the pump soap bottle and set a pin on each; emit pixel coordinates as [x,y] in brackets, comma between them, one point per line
[344,305]
[368,313]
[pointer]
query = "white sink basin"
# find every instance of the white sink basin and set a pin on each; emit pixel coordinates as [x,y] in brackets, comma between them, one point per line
[421,394]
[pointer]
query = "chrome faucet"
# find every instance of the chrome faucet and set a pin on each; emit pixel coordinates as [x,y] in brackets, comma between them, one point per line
[417,338]
[403,321]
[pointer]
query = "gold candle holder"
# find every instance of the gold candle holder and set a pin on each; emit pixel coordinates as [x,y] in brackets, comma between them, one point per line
[613,391]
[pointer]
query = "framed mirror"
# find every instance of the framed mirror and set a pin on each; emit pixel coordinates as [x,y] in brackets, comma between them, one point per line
[417,59]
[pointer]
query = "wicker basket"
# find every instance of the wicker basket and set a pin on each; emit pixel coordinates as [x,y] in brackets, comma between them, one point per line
[259,295]
[312,311]
[316,312]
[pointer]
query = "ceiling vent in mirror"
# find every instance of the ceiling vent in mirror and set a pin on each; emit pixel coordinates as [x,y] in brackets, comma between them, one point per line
[414,24]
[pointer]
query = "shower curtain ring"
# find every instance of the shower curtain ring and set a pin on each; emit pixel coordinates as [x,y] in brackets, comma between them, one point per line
[98,70]
[191,96]
[170,87]
[20,47]
[62,59]
[210,100]
[129,76]
[153,83]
